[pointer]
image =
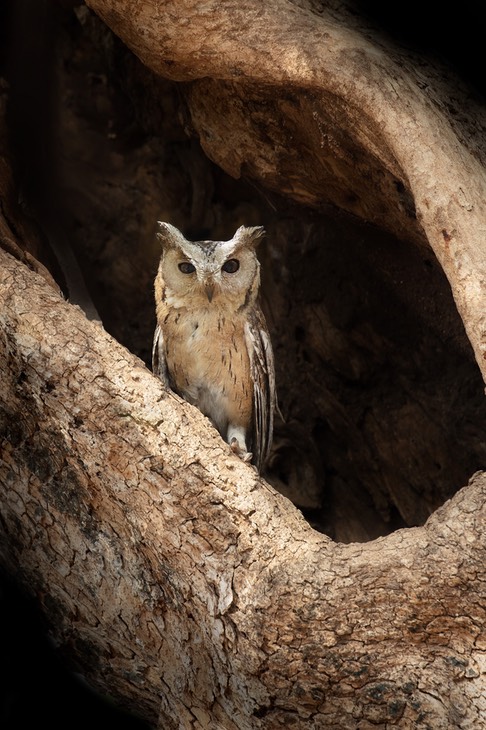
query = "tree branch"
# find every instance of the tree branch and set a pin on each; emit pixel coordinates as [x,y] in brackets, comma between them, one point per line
[184,585]
[355,122]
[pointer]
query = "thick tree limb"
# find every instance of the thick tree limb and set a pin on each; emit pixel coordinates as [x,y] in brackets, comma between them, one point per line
[306,102]
[186,586]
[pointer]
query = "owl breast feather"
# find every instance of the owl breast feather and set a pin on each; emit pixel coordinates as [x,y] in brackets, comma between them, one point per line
[208,365]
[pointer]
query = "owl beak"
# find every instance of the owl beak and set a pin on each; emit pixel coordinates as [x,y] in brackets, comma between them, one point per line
[209,289]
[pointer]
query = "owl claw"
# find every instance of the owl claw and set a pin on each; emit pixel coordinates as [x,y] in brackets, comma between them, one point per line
[244,455]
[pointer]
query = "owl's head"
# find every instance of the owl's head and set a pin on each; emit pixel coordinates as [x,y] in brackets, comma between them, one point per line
[225,273]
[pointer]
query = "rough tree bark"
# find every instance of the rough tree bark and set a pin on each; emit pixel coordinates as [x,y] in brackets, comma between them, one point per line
[182,583]
[381,134]
[190,590]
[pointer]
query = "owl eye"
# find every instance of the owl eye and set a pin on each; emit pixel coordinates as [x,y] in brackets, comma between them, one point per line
[186,267]
[231,266]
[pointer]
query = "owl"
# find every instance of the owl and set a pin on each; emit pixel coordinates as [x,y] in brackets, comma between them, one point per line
[211,344]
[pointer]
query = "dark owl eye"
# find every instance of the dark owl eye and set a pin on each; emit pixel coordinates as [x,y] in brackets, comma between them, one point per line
[186,267]
[231,266]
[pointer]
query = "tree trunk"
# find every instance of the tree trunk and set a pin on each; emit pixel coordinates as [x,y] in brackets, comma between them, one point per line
[180,582]
[188,588]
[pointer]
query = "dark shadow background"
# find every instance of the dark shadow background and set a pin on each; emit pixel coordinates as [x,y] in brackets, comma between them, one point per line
[37,688]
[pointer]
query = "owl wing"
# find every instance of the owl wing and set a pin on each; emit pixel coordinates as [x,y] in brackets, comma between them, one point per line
[263,377]
[159,364]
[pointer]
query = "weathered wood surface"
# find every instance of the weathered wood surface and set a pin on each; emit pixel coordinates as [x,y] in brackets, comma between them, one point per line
[187,587]
[305,101]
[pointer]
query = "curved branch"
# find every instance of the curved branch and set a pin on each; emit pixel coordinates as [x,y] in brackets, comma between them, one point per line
[184,584]
[377,125]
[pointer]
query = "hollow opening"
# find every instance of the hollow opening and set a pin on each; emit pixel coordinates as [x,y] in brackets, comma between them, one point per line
[382,398]
[382,401]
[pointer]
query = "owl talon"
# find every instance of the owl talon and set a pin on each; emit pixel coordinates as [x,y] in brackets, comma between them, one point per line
[244,455]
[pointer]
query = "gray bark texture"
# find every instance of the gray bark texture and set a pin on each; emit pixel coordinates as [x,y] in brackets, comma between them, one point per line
[181,582]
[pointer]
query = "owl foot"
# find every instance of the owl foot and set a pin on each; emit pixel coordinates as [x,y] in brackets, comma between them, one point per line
[244,455]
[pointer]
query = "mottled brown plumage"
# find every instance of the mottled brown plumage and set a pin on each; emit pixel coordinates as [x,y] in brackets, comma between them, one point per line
[211,343]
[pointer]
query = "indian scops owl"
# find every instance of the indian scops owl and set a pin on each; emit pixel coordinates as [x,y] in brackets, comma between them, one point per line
[211,343]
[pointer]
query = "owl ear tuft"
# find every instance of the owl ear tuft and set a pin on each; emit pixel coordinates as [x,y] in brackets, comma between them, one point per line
[169,235]
[251,234]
